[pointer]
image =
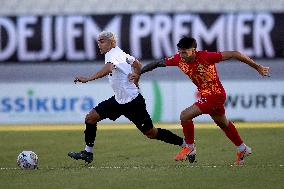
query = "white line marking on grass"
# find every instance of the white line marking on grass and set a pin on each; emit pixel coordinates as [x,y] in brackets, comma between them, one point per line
[146,167]
[8,168]
[182,166]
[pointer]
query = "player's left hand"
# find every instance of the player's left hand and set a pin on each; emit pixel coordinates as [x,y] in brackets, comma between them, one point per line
[133,76]
[264,71]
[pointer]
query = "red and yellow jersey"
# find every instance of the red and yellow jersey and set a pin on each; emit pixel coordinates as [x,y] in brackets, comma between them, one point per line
[201,71]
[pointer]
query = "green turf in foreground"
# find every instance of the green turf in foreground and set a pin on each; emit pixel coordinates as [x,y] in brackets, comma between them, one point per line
[126,159]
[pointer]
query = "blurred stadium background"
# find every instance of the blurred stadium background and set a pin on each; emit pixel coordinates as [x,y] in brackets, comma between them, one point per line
[44,44]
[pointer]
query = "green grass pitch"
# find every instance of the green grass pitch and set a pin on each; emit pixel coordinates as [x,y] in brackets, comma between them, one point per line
[124,158]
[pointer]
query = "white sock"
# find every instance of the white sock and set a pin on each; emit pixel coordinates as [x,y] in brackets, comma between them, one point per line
[190,145]
[184,144]
[241,147]
[89,149]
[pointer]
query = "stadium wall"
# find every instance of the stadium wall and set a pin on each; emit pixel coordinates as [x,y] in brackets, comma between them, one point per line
[44,44]
[47,7]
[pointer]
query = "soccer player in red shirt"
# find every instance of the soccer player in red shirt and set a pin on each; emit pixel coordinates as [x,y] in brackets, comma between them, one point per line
[199,66]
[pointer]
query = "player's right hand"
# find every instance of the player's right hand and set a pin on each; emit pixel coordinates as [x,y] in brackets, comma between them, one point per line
[133,76]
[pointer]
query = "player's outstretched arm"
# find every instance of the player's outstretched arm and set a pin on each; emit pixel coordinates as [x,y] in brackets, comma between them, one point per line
[135,75]
[147,68]
[264,71]
[153,65]
[137,67]
[101,73]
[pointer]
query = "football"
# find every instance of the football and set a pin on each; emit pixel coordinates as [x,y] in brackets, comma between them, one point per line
[27,160]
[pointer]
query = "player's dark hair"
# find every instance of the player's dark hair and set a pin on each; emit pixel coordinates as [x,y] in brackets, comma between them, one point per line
[187,43]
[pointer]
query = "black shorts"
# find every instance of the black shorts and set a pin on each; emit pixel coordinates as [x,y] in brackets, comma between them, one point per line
[135,111]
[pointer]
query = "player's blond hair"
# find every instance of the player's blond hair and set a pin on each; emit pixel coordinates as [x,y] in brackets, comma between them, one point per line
[107,35]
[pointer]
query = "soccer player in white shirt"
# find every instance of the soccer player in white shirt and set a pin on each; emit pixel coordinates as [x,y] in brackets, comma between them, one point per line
[126,101]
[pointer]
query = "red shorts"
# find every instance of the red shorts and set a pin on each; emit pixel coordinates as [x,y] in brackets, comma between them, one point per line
[212,105]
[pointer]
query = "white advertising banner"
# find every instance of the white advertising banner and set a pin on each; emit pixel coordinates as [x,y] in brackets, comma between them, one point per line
[255,101]
[25,103]
[49,102]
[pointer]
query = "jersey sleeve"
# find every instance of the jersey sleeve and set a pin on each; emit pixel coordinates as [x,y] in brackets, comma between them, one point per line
[130,59]
[173,60]
[109,59]
[213,57]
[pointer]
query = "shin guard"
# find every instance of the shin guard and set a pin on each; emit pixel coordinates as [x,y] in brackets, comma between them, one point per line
[169,137]
[90,134]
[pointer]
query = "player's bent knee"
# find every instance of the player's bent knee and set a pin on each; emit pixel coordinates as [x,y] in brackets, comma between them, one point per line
[183,117]
[152,133]
[92,118]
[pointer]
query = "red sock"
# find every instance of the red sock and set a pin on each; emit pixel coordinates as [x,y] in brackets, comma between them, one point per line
[232,133]
[188,131]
